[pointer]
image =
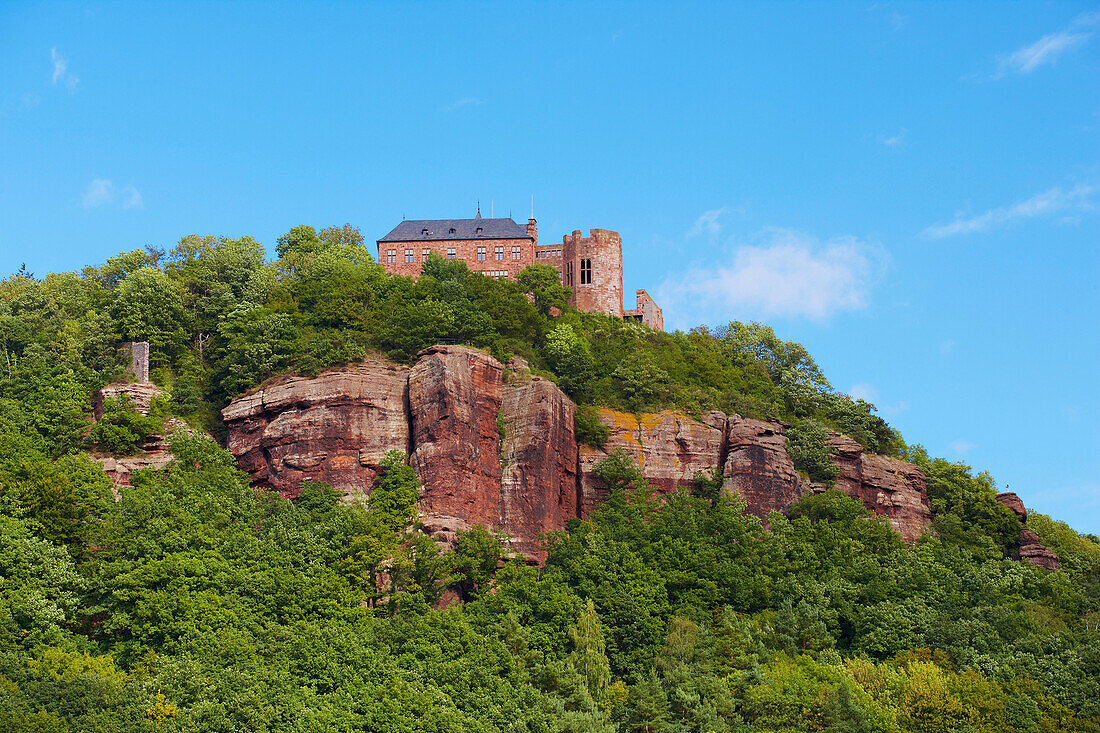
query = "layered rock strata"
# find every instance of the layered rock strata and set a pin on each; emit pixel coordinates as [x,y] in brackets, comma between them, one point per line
[334,427]
[538,485]
[669,447]
[154,452]
[496,447]
[455,396]
[1032,550]
[887,486]
[757,466]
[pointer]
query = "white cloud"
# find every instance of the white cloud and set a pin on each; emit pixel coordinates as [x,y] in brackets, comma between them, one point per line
[61,73]
[707,222]
[464,102]
[864,392]
[131,198]
[102,192]
[895,140]
[1041,204]
[98,193]
[961,447]
[1050,47]
[789,274]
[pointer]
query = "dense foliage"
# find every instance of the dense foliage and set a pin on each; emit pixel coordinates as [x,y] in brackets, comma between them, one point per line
[195,603]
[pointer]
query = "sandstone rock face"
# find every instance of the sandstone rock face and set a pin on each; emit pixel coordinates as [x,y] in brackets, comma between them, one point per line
[896,490]
[504,453]
[758,467]
[669,448]
[1031,549]
[1035,552]
[539,482]
[141,394]
[455,396]
[154,453]
[1010,500]
[886,486]
[335,427]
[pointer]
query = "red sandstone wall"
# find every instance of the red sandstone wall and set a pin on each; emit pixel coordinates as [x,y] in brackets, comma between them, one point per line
[605,248]
[465,250]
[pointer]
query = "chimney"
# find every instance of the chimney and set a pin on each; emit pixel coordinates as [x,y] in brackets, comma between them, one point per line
[533,230]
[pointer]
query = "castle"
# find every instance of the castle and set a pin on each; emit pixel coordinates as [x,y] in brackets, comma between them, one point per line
[592,266]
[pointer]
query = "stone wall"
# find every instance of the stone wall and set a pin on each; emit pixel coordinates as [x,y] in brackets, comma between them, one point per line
[646,311]
[604,249]
[510,264]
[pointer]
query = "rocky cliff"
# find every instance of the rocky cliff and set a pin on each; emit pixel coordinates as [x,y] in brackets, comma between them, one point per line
[496,446]
[1031,549]
[335,427]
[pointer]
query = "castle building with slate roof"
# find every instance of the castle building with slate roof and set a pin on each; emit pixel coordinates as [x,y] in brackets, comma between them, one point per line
[592,266]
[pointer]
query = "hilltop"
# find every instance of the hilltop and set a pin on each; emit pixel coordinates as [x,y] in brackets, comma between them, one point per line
[667,596]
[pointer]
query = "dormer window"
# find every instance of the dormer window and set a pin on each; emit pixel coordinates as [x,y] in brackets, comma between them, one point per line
[479,230]
[452,231]
[423,232]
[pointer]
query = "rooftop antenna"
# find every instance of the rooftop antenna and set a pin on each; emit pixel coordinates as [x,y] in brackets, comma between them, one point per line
[479,208]
[492,209]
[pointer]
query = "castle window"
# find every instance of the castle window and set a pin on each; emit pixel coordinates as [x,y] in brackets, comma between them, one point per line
[451,253]
[586,272]
[391,256]
[568,274]
[408,255]
[424,254]
[481,254]
[515,253]
[498,253]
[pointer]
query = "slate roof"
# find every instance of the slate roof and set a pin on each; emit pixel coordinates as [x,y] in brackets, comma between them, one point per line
[412,230]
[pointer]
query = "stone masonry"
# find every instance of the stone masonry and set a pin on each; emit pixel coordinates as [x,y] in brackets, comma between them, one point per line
[592,266]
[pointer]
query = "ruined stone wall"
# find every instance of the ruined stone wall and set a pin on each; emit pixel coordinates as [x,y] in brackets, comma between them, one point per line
[139,360]
[646,311]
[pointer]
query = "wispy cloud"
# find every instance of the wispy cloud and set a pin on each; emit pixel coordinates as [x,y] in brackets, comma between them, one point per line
[102,192]
[788,274]
[707,222]
[961,447]
[864,392]
[1050,47]
[1047,203]
[61,73]
[131,198]
[464,102]
[98,193]
[895,140]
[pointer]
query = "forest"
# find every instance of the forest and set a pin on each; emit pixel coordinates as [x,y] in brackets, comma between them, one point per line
[195,602]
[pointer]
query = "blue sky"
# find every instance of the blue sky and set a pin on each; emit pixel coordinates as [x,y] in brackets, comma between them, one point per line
[910,190]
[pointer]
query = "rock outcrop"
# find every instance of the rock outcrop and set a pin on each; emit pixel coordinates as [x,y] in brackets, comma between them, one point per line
[154,452]
[887,486]
[669,448]
[334,427]
[758,467]
[539,482]
[503,453]
[455,396]
[1032,550]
